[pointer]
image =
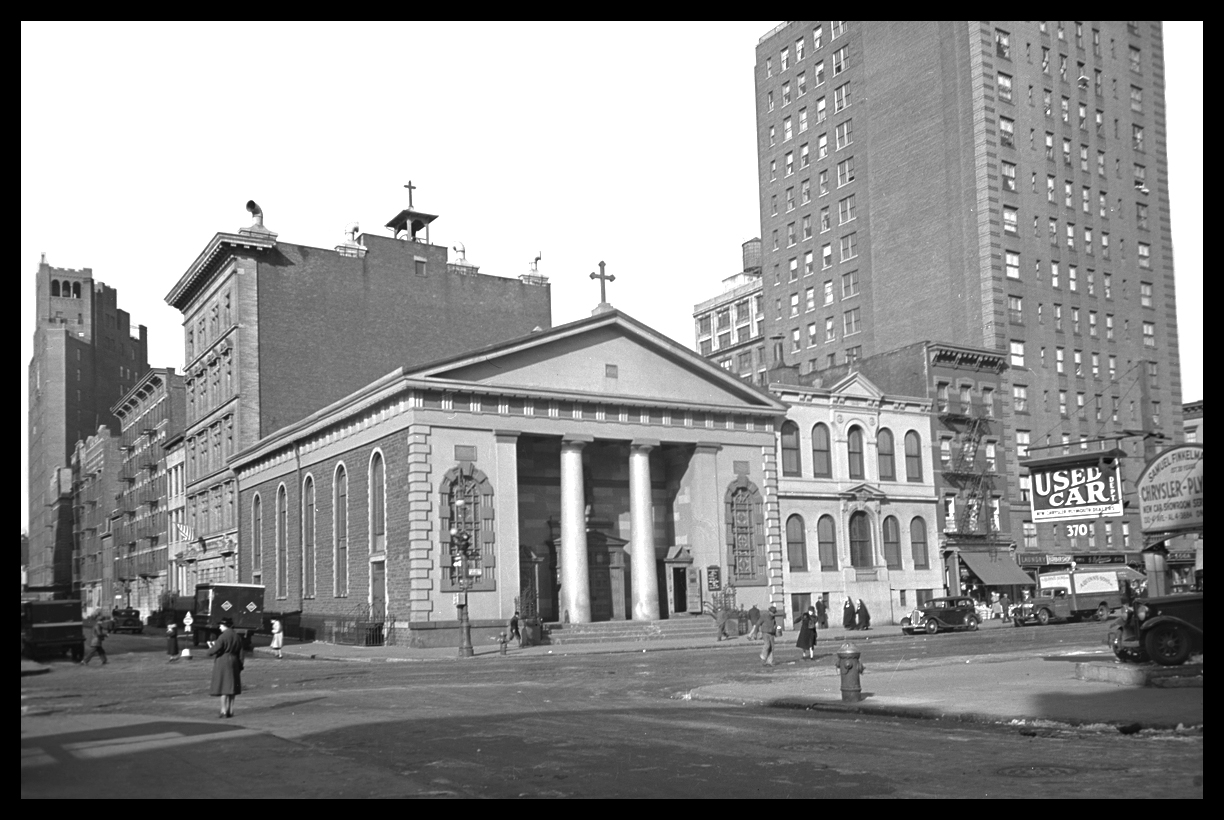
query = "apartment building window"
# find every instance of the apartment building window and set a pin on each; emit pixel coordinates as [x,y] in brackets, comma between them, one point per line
[1073,276]
[1005,87]
[1047,102]
[1105,255]
[1088,250]
[822,179]
[794,304]
[811,333]
[786,94]
[1136,60]
[850,284]
[1015,310]
[801,84]
[1153,373]
[828,292]
[1002,44]
[830,330]
[1145,294]
[1020,398]
[1137,137]
[851,322]
[799,50]
[1054,284]
[818,74]
[841,59]
[845,134]
[790,162]
[845,172]
[1060,355]
[825,220]
[810,295]
[1077,359]
[773,170]
[807,226]
[1109,331]
[796,343]
[803,153]
[945,452]
[1007,132]
[1145,255]
[1092,323]
[1065,110]
[784,59]
[817,37]
[787,132]
[1149,334]
[769,102]
[820,111]
[1096,365]
[1009,175]
[1045,60]
[841,98]
[790,199]
[773,205]
[1136,99]
[1062,68]
[1140,174]
[822,148]
[1011,264]
[1022,443]
[1016,353]
[768,67]
[1011,217]
[849,246]
[1062,402]
[805,191]
[794,269]
[845,210]
[803,122]
[826,256]
[1141,216]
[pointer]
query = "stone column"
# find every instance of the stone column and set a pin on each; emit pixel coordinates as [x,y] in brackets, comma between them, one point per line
[641,538]
[575,576]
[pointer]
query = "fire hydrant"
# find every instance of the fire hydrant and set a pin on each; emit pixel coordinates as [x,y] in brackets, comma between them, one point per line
[851,671]
[501,639]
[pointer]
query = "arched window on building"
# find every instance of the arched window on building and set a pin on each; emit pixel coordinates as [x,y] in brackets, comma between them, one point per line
[822,460]
[913,456]
[467,509]
[796,548]
[257,540]
[282,542]
[826,537]
[378,505]
[76,290]
[892,543]
[55,287]
[340,512]
[854,448]
[745,517]
[918,544]
[308,538]
[884,454]
[860,541]
[791,465]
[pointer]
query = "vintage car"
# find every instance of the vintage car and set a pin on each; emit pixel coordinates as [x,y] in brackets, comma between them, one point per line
[942,614]
[1167,629]
[125,620]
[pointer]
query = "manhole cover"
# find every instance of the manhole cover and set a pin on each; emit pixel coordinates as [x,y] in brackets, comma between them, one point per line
[1036,771]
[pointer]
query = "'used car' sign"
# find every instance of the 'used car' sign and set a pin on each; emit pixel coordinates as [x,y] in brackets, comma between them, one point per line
[1070,491]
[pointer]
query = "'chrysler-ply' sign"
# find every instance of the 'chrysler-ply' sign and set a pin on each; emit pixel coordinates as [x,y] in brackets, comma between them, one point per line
[1068,493]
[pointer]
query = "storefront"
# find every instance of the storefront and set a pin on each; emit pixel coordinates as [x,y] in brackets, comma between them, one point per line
[988,576]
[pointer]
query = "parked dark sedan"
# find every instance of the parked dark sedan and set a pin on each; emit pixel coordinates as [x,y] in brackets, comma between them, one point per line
[1167,629]
[126,620]
[942,614]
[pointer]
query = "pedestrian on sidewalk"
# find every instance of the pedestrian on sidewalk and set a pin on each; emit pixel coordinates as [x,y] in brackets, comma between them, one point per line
[278,637]
[227,668]
[861,616]
[807,634]
[754,618]
[95,642]
[769,631]
[822,613]
[172,647]
[848,614]
[1005,604]
[513,626]
[720,622]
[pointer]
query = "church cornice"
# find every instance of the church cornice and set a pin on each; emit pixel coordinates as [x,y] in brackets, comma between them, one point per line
[218,249]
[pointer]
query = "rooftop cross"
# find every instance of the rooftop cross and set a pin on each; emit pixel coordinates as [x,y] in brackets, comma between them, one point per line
[603,278]
[410,188]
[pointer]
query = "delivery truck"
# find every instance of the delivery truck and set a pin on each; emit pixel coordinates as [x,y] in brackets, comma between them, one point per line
[52,628]
[243,604]
[1072,596]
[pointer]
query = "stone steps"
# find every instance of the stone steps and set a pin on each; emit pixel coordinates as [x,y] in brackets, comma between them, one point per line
[617,631]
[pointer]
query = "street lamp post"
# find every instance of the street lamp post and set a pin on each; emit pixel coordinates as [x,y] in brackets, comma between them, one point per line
[465,570]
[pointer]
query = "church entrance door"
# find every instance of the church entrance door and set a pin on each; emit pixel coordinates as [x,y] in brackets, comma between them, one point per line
[679,590]
[378,591]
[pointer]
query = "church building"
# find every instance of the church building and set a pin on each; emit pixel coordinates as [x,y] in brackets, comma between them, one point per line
[594,471]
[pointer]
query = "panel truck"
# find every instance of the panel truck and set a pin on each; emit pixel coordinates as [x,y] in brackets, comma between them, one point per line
[52,627]
[1071,596]
[241,603]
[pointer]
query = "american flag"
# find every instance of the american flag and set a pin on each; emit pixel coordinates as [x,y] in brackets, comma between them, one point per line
[184,532]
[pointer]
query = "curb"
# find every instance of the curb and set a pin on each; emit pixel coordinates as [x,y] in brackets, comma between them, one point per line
[1165,677]
[919,712]
[34,669]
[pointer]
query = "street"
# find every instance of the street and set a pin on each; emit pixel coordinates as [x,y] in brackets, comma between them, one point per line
[596,725]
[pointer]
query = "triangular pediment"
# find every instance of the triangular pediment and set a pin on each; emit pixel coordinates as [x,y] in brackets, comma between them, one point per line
[864,492]
[610,356]
[856,384]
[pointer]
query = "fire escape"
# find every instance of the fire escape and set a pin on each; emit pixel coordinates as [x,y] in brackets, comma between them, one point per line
[969,471]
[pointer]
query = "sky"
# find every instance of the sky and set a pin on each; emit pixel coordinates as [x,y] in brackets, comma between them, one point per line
[632,144]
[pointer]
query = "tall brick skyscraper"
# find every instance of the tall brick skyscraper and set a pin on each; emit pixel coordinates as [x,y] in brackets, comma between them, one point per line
[999,184]
[85,360]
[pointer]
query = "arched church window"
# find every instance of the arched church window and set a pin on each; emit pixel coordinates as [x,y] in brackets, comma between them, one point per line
[746,532]
[55,287]
[467,528]
[860,541]
[790,450]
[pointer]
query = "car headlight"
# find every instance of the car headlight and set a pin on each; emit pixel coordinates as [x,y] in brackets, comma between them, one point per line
[1141,612]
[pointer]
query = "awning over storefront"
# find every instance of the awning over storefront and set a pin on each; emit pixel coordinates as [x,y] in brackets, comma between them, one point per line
[996,570]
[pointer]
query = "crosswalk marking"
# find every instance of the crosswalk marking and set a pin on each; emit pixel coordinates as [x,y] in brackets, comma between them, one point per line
[34,756]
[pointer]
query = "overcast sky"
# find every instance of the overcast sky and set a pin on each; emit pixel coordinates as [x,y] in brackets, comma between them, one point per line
[628,143]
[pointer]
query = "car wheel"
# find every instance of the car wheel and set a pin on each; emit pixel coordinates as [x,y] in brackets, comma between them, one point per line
[1043,617]
[1168,644]
[971,623]
[932,626]
[1102,613]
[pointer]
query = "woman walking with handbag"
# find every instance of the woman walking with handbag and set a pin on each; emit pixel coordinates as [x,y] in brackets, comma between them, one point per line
[227,668]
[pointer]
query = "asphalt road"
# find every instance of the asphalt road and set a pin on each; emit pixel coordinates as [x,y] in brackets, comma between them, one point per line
[562,726]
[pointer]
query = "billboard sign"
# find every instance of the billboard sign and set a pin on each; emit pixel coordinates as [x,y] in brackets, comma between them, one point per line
[1171,490]
[1072,490]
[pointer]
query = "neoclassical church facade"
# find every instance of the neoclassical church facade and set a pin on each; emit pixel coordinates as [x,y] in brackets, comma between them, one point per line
[596,471]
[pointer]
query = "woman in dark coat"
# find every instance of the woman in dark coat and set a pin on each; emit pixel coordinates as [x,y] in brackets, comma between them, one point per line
[227,668]
[807,634]
[848,614]
[863,616]
[172,647]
